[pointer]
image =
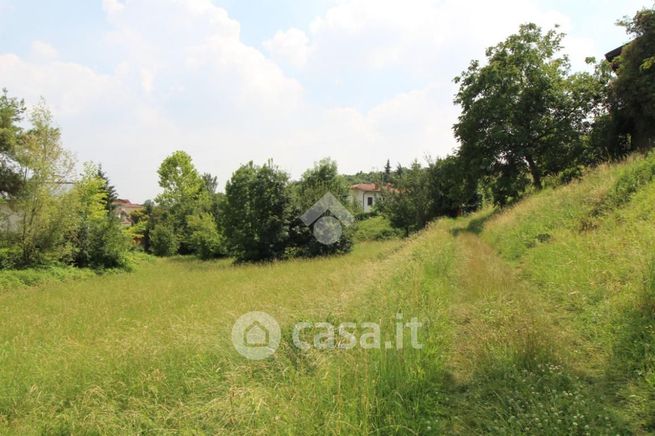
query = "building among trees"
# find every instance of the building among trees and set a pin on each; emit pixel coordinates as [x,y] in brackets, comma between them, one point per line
[124,209]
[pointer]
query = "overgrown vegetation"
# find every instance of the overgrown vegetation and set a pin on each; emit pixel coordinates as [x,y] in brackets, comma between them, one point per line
[527,123]
[50,216]
[517,338]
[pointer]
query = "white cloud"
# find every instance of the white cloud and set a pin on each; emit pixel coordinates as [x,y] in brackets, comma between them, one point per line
[291,46]
[418,36]
[43,51]
[70,88]
[112,7]
[184,79]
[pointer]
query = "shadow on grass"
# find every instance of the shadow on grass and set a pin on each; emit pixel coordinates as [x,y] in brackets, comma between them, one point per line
[475,225]
[520,392]
[631,369]
[508,397]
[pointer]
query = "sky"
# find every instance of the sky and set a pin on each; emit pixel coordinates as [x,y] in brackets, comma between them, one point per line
[230,81]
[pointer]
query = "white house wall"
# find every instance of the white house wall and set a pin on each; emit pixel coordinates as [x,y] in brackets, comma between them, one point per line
[360,198]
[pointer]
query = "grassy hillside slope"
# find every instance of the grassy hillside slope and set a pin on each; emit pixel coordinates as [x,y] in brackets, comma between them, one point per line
[588,250]
[537,319]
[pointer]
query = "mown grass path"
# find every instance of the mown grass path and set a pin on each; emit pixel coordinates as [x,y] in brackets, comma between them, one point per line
[510,353]
[492,308]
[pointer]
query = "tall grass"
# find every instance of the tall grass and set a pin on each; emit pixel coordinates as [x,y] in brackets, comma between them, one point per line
[590,269]
[538,319]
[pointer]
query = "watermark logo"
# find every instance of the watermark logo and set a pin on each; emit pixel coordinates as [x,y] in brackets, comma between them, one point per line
[256,335]
[327,229]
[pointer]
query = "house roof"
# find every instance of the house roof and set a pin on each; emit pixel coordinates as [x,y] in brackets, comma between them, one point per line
[372,187]
[368,187]
[125,203]
[611,55]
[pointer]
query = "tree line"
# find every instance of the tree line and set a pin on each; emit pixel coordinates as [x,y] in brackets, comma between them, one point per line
[51,216]
[527,122]
[256,219]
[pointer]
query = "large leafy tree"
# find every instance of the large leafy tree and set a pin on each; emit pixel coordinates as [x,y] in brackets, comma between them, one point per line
[323,178]
[408,205]
[632,93]
[184,194]
[11,114]
[256,213]
[179,179]
[317,181]
[520,117]
[45,207]
[451,190]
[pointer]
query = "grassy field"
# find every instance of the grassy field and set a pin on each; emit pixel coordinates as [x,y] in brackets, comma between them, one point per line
[537,319]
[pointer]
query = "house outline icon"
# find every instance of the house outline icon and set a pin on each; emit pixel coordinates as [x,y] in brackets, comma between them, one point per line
[327,203]
[256,335]
[327,229]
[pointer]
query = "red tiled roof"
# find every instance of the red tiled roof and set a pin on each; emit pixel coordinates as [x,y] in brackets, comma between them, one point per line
[369,187]
[372,187]
[126,203]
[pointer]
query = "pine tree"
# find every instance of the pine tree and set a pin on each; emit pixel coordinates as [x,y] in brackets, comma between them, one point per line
[386,177]
[399,171]
[108,189]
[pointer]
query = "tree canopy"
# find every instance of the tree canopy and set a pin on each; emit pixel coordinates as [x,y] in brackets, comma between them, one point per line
[256,212]
[12,111]
[632,94]
[519,120]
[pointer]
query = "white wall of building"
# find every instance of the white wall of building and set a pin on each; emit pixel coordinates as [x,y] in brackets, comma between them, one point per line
[364,199]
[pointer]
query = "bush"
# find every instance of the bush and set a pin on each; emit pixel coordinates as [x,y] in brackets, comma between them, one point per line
[109,246]
[98,238]
[255,217]
[163,241]
[303,243]
[375,229]
[206,242]
[9,257]
[101,244]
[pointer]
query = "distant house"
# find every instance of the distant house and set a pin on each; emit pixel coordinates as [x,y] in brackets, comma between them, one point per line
[365,195]
[124,208]
[612,55]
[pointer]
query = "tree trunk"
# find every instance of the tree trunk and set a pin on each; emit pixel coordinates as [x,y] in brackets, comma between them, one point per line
[534,171]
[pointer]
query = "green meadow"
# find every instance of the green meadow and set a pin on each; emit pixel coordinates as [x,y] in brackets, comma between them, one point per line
[538,318]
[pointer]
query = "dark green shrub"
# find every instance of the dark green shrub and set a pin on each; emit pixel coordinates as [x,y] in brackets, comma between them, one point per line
[205,240]
[303,243]
[109,245]
[9,257]
[163,241]
[256,213]
[99,244]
